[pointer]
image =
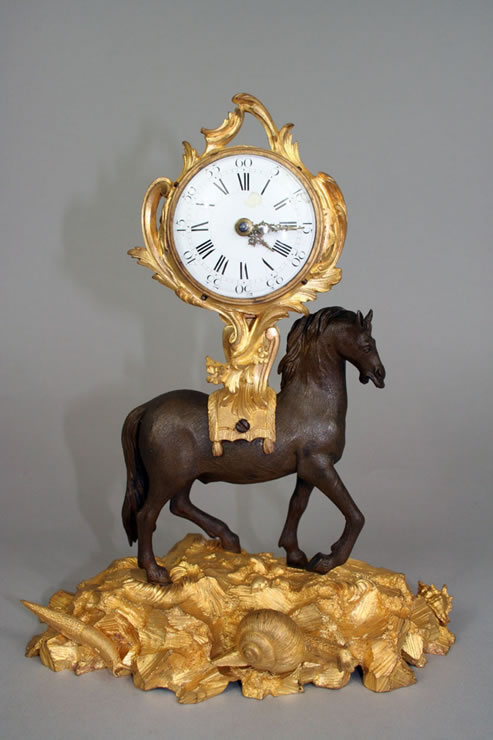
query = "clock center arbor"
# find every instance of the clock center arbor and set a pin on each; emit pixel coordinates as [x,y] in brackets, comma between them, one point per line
[251,234]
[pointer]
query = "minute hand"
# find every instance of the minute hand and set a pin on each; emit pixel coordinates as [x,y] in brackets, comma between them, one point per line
[259,230]
[275,227]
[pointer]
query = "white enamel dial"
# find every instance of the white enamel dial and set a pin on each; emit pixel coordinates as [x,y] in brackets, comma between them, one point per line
[244,226]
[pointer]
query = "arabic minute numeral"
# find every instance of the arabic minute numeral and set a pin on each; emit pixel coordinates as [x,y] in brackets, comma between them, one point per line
[240,287]
[297,260]
[274,280]
[189,257]
[214,281]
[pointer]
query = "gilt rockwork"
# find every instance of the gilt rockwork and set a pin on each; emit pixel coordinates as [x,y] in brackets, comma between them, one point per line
[245,371]
[248,618]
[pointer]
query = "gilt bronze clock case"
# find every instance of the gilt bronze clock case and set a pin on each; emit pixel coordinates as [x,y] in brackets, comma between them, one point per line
[245,407]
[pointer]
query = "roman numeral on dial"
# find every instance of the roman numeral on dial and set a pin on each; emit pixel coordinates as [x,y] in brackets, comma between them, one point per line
[221,264]
[205,249]
[244,179]
[200,227]
[282,248]
[267,264]
[281,204]
[243,271]
[222,187]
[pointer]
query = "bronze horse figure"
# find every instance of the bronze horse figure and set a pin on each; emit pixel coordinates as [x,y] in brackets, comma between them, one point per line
[166,443]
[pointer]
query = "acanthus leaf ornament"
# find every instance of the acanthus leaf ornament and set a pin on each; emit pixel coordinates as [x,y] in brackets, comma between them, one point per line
[250,339]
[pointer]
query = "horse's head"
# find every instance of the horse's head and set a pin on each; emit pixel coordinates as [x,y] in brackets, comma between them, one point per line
[318,340]
[356,344]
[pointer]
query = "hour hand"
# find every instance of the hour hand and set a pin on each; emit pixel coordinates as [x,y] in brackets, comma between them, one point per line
[255,238]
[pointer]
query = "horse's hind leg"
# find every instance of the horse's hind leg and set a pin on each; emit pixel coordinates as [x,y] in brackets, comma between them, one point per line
[295,557]
[181,505]
[146,524]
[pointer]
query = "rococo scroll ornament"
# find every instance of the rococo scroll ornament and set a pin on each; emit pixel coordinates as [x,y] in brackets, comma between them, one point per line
[251,234]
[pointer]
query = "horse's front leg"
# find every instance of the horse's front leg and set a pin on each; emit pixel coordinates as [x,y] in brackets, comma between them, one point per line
[320,471]
[295,557]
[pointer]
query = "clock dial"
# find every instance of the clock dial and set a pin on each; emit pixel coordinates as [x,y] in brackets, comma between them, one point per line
[244,226]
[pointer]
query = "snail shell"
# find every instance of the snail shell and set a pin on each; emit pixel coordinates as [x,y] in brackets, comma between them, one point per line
[269,640]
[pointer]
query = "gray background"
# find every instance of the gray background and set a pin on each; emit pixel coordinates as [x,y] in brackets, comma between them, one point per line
[394,99]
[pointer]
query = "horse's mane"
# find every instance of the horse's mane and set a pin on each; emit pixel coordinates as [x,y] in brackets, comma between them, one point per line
[303,333]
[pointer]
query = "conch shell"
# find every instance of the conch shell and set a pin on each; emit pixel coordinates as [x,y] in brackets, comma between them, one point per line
[267,640]
[81,633]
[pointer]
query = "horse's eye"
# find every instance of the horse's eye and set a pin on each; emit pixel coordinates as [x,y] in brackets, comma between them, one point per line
[367,348]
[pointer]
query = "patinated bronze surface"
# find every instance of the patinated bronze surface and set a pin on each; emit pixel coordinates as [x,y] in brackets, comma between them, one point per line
[167,447]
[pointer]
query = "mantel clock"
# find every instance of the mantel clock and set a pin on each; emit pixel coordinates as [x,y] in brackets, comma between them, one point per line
[250,234]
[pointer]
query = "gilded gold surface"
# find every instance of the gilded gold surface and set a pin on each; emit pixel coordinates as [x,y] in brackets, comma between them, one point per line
[246,392]
[244,373]
[248,618]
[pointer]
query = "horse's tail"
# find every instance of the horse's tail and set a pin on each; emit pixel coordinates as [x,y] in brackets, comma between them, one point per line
[136,492]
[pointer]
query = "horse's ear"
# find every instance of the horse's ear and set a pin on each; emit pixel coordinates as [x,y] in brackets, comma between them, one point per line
[368,318]
[361,320]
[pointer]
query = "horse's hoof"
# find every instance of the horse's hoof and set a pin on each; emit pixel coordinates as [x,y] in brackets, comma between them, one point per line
[158,575]
[231,543]
[297,560]
[321,563]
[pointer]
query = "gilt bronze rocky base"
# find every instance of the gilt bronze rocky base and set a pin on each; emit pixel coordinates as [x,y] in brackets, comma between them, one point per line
[248,618]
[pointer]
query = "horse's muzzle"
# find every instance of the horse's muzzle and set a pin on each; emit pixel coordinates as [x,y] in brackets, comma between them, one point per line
[377,376]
